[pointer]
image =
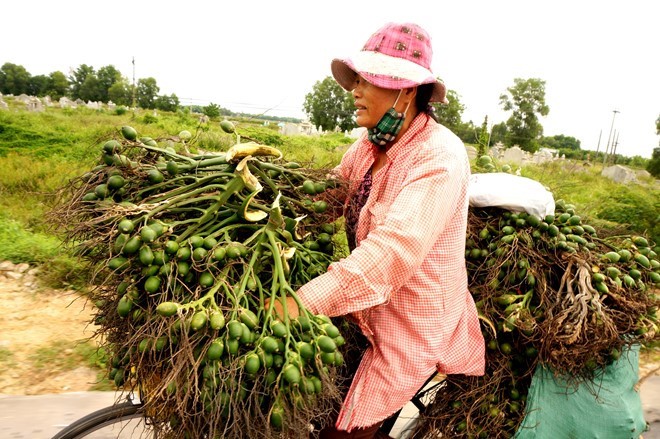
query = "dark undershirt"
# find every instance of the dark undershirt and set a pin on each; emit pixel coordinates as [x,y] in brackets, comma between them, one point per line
[355,205]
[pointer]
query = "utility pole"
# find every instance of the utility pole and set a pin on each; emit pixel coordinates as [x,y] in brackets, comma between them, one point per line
[615,143]
[133,104]
[609,138]
[598,145]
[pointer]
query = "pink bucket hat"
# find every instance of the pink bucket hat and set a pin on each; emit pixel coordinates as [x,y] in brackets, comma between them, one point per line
[397,56]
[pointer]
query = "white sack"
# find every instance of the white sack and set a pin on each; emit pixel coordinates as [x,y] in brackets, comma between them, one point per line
[511,192]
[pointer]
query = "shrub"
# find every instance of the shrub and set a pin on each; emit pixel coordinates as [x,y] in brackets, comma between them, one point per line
[149,119]
[653,166]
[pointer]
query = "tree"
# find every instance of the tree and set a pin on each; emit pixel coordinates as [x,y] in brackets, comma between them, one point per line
[167,103]
[38,85]
[498,133]
[450,114]
[636,161]
[526,100]
[147,90]
[14,79]
[107,77]
[91,89]
[211,110]
[653,165]
[121,93]
[560,142]
[77,79]
[58,85]
[329,106]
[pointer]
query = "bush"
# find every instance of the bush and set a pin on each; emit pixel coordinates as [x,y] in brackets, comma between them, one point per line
[149,119]
[653,166]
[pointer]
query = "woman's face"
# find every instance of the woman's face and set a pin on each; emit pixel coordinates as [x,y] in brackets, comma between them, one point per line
[371,102]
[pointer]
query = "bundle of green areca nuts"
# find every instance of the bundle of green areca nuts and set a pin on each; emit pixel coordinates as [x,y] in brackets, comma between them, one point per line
[552,292]
[187,249]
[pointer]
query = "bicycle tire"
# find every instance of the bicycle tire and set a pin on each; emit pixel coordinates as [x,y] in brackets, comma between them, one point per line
[107,416]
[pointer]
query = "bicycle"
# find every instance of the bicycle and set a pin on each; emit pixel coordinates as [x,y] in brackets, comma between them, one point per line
[128,419]
[122,420]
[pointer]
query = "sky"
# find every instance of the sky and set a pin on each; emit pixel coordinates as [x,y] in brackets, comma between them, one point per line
[599,59]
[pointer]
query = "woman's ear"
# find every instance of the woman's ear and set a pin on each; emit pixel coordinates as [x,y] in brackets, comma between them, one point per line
[409,96]
[410,93]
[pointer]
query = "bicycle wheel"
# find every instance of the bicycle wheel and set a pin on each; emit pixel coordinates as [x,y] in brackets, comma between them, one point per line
[120,421]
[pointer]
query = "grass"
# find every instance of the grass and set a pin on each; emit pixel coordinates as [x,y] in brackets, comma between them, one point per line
[321,152]
[61,355]
[6,358]
[28,186]
[19,244]
[64,355]
[51,133]
[58,268]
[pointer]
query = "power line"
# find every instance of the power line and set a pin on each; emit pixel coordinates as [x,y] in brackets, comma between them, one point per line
[277,107]
[245,107]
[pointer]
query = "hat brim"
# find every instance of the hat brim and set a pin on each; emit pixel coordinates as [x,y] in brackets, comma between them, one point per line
[386,72]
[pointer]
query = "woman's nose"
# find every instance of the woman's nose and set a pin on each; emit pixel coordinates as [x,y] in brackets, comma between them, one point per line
[357,90]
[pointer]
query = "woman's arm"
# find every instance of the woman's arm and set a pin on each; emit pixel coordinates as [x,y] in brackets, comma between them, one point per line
[397,246]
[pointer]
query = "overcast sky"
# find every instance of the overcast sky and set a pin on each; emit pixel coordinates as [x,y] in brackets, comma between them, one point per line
[256,56]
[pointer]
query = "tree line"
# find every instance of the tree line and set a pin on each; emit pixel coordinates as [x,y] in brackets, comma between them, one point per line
[105,85]
[330,107]
[88,84]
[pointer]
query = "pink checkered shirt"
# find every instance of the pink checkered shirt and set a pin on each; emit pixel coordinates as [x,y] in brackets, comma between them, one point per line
[406,282]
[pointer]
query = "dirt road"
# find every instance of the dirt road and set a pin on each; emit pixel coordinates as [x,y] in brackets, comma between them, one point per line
[42,335]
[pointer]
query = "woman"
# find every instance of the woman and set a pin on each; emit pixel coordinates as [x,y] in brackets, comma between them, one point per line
[405,281]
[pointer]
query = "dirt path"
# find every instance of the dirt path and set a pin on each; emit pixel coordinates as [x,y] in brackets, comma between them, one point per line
[41,332]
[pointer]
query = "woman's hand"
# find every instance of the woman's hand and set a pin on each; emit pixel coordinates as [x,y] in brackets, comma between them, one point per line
[278,309]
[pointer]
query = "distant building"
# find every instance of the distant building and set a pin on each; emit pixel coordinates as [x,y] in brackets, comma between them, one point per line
[304,128]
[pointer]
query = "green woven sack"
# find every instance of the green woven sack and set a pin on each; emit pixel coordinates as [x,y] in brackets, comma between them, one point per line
[607,407]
